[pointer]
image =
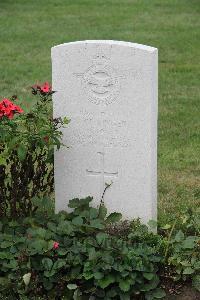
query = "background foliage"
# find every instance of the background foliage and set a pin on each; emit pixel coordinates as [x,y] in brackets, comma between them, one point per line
[27,144]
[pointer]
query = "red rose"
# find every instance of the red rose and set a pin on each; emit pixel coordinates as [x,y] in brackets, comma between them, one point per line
[55,245]
[8,109]
[18,109]
[45,88]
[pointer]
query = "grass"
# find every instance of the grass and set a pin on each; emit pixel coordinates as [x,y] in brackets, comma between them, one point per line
[28,29]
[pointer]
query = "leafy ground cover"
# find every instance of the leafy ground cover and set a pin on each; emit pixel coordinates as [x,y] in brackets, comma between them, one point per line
[28,30]
[88,254]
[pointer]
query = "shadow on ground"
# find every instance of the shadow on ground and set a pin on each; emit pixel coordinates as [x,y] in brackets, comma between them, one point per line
[187,293]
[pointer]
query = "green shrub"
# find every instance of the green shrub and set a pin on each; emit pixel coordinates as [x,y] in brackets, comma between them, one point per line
[86,254]
[27,143]
[182,251]
[71,256]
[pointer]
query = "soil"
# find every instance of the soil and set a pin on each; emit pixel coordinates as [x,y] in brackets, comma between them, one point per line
[183,293]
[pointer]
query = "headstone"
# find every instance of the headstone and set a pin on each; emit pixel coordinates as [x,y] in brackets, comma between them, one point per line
[109,91]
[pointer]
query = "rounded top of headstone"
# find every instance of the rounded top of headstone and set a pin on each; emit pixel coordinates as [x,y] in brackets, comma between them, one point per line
[109,42]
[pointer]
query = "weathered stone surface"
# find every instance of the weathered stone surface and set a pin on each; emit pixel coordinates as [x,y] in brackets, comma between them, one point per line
[109,91]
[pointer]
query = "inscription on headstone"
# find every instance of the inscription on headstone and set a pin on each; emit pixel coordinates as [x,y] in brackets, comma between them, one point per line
[109,91]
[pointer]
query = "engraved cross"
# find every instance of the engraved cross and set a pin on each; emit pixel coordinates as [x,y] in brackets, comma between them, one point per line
[102,172]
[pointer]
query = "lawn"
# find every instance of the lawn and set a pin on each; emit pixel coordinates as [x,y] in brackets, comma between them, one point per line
[28,29]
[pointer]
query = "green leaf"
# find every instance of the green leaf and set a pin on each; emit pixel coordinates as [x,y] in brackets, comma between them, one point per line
[92,253]
[114,217]
[179,236]
[13,265]
[159,293]
[57,142]
[124,285]
[74,203]
[196,282]
[41,232]
[152,224]
[62,252]
[197,265]
[65,227]
[72,286]
[100,294]
[98,275]
[6,244]
[106,281]
[188,271]
[189,243]
[47,263]
[93,213]
[39,246]
[85,201]
[96,224]
[65,120]
[102,212]
[166,227]
[185,263]
[101,237]
[77,295]
[151,284]
[13,224]
[111,293]
[49,273]
[21,152]
[27,278]
[124,296]
[5,255]
[148,276]
[3,161]
[50,244]
[4,282]
[75,272]
[59,264]
[47,284]
[77,221]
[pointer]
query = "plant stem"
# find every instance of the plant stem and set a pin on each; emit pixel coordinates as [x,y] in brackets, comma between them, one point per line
[169,238]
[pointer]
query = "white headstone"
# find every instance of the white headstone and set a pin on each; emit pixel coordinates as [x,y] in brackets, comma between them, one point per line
[109,91]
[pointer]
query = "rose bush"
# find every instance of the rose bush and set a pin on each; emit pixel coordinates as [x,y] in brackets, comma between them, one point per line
[27,143]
